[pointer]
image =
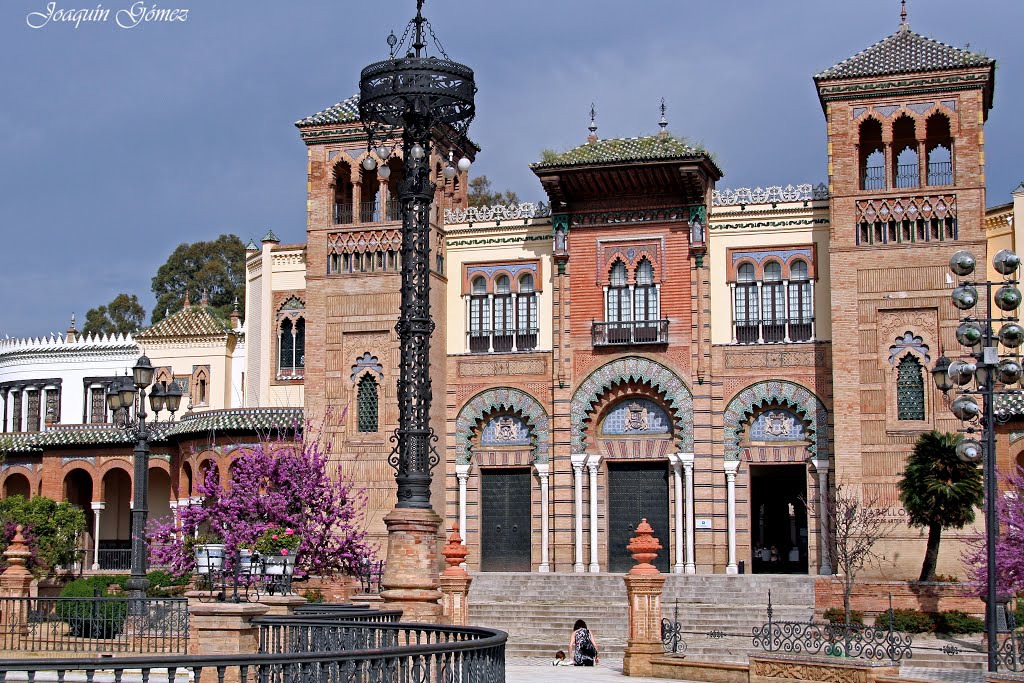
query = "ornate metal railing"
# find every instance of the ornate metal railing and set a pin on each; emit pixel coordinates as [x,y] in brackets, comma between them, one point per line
[635,332]
[370,575]
[672,633]
[93,625]
[908,175]
[838,640]
[321,632]
[498,212]
[396,652]
[873,178]
[765,195]
[940,173]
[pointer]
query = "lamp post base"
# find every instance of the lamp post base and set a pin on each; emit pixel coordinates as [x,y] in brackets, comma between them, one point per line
[411,580]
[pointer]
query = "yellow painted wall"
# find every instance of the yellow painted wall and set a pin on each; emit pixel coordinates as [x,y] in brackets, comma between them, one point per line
[731,228]
[480,249]
[183,357]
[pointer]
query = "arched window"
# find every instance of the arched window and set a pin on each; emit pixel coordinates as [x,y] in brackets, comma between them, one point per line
[645,294]
[939,149]
[292,347]
[479,316]
[369,207]
[906,171]
[773,304]
[618,294]
[503,312]
[342,193]
[367,402]
[746,305]
[526,316]
[909,389]
[872,155]
[801,304]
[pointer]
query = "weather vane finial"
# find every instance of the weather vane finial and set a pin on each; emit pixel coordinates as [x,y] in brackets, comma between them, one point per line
[903,12]
[593,125]
[663,122]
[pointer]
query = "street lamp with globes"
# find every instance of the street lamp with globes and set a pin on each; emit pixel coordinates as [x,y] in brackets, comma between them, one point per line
[979,373]
[123,394]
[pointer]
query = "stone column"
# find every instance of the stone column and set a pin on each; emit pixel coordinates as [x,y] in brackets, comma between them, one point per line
[577,460]
[731,466]
[462,474]
[593,462]
[691,542]
[824,556]
[222,628]
[455,581]
[677,486]
[411,581]
[543,472]
[644,584]
[97,507]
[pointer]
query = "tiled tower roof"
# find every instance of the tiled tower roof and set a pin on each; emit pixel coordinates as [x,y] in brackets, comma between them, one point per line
[345,111]
[193,321]
[904,52]
[623,150]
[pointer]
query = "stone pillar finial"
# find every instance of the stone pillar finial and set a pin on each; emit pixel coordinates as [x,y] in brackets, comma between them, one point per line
[455,553]
[17,553]
[644,547]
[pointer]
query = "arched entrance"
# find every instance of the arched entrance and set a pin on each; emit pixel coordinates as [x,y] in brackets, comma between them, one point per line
[17,484]
[505,433]
[78,490]
[159,493]
[115,521]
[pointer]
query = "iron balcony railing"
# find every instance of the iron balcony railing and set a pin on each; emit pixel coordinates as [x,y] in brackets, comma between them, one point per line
[907,175]
[940,173]
[102,624]
[873,178]
[632,332]
[501,341]
[389,653]
[774,331]
[343,214]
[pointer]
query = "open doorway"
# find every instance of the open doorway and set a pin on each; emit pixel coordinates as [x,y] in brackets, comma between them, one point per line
[778,518]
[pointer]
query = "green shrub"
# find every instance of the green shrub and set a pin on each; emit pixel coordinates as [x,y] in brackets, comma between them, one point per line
[907,621]
[163,584]
[53,528]
[92,618]
[836,615]
[957,622]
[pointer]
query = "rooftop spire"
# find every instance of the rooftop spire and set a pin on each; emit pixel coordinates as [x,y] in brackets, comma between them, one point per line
[593,125]
[904,26]
[187,303]
[663,122]
[72,332]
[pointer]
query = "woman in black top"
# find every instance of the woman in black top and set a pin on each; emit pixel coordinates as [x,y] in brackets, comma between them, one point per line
[582,645]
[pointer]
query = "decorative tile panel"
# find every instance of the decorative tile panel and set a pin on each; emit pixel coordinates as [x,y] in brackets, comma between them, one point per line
[794,397]
[526,407]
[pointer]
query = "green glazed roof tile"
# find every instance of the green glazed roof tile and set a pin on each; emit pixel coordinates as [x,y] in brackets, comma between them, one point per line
[345,111]
[622,150]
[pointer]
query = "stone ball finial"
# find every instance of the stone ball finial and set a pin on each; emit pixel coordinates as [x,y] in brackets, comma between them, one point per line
[454,552]
[644,547]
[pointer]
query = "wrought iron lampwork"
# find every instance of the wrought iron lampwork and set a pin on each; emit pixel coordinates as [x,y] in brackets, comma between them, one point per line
[123,394]
[417,101]
[983,367]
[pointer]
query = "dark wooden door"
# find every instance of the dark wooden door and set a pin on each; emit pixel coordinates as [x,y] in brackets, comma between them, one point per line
[505,520]
[636,490]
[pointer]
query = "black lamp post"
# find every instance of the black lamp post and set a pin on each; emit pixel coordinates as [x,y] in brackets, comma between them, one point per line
[123,394]
[984,366]
[418,100]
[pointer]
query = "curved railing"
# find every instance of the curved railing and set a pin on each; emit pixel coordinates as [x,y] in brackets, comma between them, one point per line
[320,632]
[383,652]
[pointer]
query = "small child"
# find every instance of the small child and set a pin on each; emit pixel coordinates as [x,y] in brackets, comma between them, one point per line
[559,658]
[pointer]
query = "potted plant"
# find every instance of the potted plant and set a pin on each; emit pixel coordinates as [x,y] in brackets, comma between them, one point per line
[209,552]
[278,546]
[246,566]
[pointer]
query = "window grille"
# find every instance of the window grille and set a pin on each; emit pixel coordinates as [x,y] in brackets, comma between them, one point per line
[746,305]
[367,402]
[909,389]
[97,405]
[645,300]
[801,307]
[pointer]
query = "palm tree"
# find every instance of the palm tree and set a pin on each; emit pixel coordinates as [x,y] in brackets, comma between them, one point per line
[939,491]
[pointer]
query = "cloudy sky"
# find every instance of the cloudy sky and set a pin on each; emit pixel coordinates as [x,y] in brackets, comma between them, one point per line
[117,144]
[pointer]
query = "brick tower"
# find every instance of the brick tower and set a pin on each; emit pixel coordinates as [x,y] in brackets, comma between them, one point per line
[352,300]
[905,123]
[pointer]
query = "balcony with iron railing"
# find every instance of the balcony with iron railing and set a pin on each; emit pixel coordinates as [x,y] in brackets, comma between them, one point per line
[774,331]
[873,178]
[369,212]
[502,341]
[629,332]
[907,175]
[940,173]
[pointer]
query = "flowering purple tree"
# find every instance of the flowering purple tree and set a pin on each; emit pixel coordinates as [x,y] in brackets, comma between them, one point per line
[1009,541]
[276,484]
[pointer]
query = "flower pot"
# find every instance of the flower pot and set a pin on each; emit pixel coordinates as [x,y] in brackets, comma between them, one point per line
[209,557]
[246,567]
[279,565]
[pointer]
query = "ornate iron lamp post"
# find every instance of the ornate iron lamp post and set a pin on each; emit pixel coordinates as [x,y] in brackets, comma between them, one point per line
[417,101]
[986,368]
[123,394]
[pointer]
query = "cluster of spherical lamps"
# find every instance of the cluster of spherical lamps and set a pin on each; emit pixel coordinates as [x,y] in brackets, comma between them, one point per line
[983,371]
[417,152]
[124,393]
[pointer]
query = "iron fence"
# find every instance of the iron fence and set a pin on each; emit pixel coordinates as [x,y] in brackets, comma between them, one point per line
[158,625]
[370,575]
[396,653]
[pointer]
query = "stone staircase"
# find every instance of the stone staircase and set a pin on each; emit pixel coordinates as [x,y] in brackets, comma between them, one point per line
[538,610]
[717,613]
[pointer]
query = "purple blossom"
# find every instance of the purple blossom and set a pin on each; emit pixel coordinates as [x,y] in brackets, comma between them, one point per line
[283,484]
[1009,541]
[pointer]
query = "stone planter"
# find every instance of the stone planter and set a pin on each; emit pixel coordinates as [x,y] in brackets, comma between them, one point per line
[279,565]
[209,557]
